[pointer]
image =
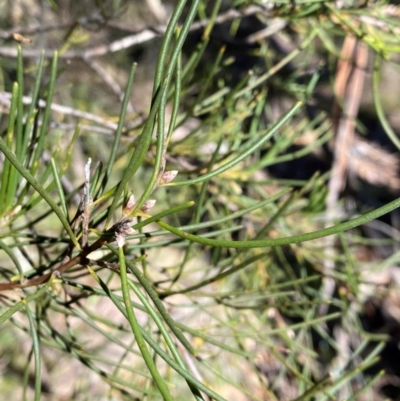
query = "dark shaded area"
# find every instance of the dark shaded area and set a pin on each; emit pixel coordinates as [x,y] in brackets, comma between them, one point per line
[364,194]
[375,320]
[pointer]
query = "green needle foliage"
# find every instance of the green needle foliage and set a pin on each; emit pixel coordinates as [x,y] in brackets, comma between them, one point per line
[217,291]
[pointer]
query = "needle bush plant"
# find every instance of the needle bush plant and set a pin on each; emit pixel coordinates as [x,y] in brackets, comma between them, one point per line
[170,264]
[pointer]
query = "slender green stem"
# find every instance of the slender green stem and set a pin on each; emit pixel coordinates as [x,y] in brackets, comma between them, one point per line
[217,277]
[46,115]
[32,108]
[184,373]
[164,333]
[44,194]
[137,331]
[177,94]
[118,132]
[287,240]
[59,186]
[161,108]
[167,37]
[137,156]
[20,110]
[5,177]
[160,215]
[267,135]
[21,304]
[10,253]
[36,353]
[17,135]
[157,302]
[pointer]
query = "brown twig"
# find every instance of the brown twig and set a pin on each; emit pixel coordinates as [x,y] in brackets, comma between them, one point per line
[5,99]
[348,86]
[120,228]
[138,38]
[39,28]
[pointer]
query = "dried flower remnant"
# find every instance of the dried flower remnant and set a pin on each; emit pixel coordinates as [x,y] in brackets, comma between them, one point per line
[123,227]
[120,238]
[121,230]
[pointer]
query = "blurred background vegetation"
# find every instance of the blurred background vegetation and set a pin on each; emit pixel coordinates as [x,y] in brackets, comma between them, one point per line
[281,118]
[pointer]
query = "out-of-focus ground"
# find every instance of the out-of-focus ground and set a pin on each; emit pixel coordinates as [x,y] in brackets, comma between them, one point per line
[94,83]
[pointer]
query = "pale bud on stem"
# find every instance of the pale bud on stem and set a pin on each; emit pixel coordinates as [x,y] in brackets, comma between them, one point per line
[148,205]
[168,176]
[129,206]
